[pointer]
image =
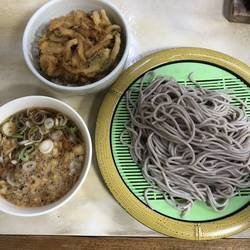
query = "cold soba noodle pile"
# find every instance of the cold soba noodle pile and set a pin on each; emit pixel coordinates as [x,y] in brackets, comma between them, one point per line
[191,143]
[41,157]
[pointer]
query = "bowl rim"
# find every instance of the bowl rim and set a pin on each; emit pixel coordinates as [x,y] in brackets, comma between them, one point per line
[86,166]
[90,86]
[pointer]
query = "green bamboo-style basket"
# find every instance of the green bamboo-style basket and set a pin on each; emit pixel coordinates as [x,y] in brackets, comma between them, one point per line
[212,70]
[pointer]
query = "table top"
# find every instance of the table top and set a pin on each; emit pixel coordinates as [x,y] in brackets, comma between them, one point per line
[154,25]
[37,242]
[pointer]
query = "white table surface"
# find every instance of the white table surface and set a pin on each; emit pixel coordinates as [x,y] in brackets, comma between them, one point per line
[155,24]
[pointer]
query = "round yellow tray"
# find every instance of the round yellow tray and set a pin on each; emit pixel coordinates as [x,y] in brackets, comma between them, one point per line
[165,225]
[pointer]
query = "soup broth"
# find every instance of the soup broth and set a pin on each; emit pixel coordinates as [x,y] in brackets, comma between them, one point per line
[42,153]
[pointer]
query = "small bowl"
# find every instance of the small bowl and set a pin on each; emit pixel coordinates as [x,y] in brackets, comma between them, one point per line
[20,104]
[56,8]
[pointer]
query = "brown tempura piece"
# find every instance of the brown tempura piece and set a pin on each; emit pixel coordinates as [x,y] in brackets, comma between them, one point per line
[79,48]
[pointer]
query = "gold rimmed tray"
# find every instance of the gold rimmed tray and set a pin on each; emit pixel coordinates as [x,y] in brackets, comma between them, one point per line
[214,69]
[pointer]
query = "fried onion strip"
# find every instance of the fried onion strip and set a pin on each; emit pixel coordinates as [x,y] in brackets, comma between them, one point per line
[116,48]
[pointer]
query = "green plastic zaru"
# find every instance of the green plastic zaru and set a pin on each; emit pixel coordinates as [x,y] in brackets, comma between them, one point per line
[210,77]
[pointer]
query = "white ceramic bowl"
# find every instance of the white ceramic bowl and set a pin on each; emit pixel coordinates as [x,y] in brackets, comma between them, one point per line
[56,8]
[16,105]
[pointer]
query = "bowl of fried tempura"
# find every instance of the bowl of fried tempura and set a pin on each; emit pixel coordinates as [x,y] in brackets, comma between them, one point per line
[77,46]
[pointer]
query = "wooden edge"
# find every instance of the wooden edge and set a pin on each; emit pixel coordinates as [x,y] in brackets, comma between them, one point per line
[115,243]
[185,230]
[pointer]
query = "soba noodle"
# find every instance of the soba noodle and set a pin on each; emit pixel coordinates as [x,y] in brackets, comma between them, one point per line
[191,143]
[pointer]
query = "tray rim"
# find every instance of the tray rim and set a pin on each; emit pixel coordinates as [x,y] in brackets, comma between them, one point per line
[171,227]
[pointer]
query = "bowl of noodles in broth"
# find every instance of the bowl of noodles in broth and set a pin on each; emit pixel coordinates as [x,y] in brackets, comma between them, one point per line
[45,155]
[76,46]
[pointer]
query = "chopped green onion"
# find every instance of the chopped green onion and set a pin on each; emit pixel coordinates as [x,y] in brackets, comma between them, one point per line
[56,135]
[46,146]
[14,162]
[25,152]
[72,130]
[38,116]
[28,124]
[35,134]
[23,142]
[29,143]
[18,136]
[9,128]
[61,120]
[49,123]
[21,125]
